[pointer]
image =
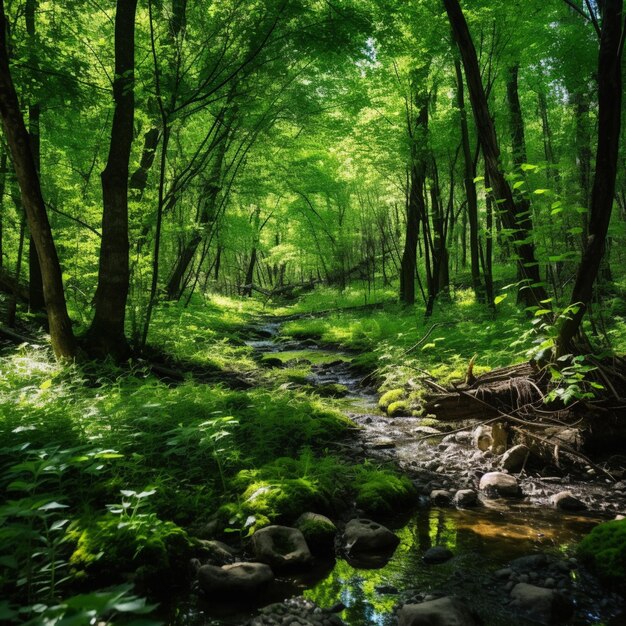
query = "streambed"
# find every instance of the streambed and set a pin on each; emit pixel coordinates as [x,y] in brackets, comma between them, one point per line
[484,540]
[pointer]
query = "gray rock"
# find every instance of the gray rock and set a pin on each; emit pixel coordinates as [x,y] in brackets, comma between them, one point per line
[437,554]
[236,578]
[499,484]
[446,611]
[514,459]
[364,535]
[281,547]
[216,552]
[565,501]
[481,437]
[545,605]
[440,497]
[465,498]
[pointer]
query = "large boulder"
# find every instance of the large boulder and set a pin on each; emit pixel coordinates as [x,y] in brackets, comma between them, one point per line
[319,532]
[514,459]
[234,579]
[544,605]
[499,484]
[446,611]
[281,547]
[364,535]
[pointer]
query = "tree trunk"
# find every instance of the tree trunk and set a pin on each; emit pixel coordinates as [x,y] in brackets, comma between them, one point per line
[416,208]
[106,336]
[512,217]
[35,283]
[603,191]
[18,141]
[470,187]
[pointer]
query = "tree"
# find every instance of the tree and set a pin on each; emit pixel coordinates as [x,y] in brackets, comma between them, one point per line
[106,335]
[603,191]
[514,218]
[19,144]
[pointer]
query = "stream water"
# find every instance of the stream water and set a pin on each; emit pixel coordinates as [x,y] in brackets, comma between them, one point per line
[483,539]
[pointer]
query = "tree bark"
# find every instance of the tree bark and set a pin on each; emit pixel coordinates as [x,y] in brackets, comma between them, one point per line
[416,208]
[603,191]
[36,300]
[469,173]
[61,334]
[512,217]
[106,336]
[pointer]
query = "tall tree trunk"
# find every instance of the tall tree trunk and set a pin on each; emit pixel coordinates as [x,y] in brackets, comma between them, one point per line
[35,282]
[518,143]
[512,217]
[106,336]
[3,181]
[416,207]
[548,148]
[18,141]
[603,191]
[469,173]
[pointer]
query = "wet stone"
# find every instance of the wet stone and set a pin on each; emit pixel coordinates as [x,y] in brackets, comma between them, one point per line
[436,555]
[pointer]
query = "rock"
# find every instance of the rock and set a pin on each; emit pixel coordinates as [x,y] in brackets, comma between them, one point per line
[446,611]
[364,535]
[440,497]
[481,438]
[295,612]
[503,573]
[280,547]
[545,605]
[499,436]
[499,484]
[236,578]
[514,459]
[464,498]
[437,554]
[319,532]
[565,501]
[216,552]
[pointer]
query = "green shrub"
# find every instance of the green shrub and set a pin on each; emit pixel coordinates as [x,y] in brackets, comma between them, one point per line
[604,549]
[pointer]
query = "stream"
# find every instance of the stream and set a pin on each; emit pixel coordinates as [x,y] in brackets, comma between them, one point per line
[484,539]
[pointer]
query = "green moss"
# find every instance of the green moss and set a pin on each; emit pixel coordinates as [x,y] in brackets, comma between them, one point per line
[604,549]
[391,396]
[383,491]
[331,390]
[315,357]
[395,409]
[108,548]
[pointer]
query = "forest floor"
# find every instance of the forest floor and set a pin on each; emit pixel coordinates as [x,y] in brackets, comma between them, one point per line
[242,416]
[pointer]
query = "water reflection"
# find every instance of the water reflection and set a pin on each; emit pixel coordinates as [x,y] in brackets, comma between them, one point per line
[482,540]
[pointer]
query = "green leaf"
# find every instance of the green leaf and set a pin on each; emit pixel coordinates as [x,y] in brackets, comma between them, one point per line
[500,298]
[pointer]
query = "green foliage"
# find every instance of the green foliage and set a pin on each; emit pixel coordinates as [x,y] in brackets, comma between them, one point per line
[604,548]
[383,491]
[128,541]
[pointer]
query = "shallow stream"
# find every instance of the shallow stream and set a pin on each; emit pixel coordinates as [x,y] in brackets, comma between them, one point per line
[484,539]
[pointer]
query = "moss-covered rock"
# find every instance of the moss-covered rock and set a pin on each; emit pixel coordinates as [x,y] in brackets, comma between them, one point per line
[604,549]
[396,409]
[155,553]
[383,491]
[390,397]
[332,390]
[319,532]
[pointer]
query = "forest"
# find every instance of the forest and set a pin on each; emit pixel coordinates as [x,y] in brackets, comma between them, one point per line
[312,312]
